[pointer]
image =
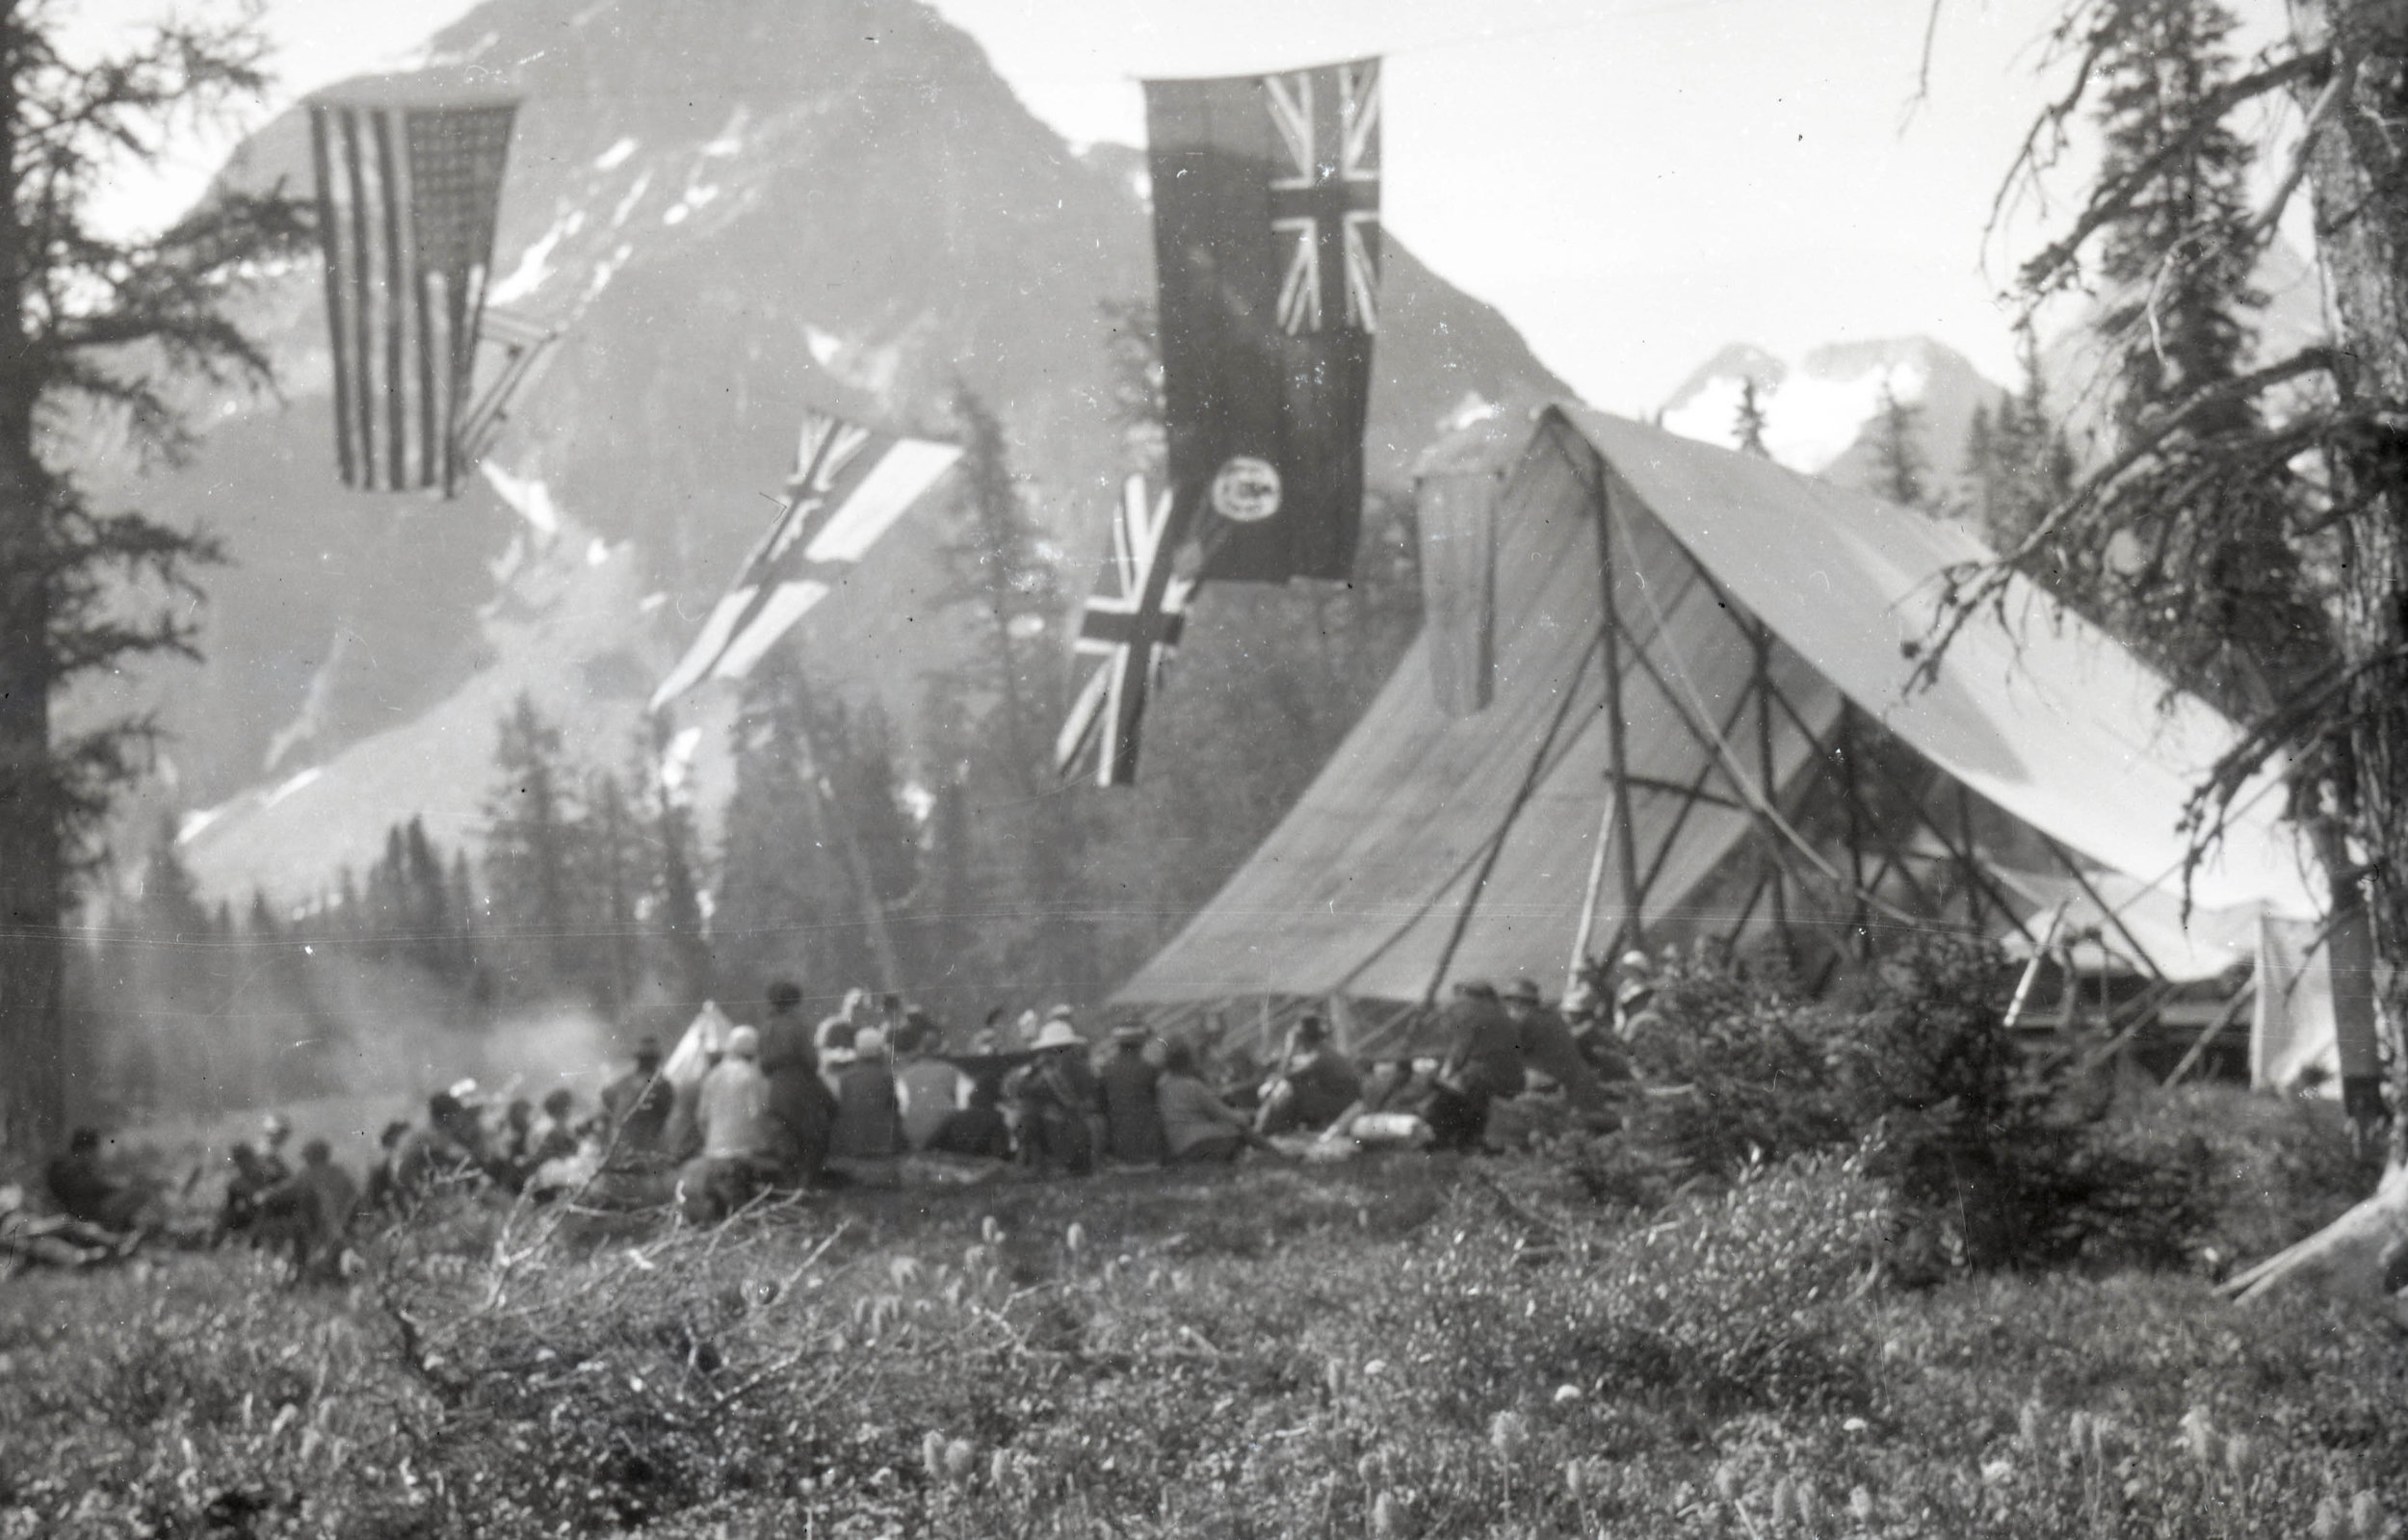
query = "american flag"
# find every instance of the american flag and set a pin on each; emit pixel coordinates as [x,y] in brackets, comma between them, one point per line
[407,195]
[1132,626]
[1327,205]
[850,485]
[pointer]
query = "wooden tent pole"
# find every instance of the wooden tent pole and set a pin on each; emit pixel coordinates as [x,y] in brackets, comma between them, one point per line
[2224,1018]
[1588,898]
[1633,931]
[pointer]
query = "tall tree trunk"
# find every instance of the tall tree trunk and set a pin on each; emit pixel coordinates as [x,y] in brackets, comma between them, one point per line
[2359,176]
[33,1086]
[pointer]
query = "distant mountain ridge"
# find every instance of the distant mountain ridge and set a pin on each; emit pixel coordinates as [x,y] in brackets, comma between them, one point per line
[732,213]
[1819,411]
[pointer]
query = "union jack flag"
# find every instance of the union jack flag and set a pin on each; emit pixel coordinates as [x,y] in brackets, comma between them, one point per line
[1133,623]
[1327,206]
[850,484]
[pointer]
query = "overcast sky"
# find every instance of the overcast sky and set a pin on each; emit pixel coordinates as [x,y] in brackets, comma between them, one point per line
[1634,182]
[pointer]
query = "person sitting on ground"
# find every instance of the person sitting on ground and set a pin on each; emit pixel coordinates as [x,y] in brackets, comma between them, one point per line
[1132,1124]
[980,1130]
[383,1192]
[84,1191]
[1314,1085]
[442,1150]
[555,1136]
[276,1130]
[250,1181]
[1057,1097]
[931,1091]
[309,1215]
[636,1108]
[1549,1048]
[733,1112]
[803,1110]
[785,1035]
[1483,1062]
[1198,1126]
[868,1115]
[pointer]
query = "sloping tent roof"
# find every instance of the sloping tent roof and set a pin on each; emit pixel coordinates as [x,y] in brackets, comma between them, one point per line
[1777,613]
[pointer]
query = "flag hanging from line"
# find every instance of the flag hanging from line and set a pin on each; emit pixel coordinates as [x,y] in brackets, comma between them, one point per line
[1132,625]
[407,196]
[850,484]
[1267,242]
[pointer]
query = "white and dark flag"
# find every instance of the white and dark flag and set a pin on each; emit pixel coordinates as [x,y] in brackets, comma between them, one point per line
[850,484]
[407,197]
[1131,627]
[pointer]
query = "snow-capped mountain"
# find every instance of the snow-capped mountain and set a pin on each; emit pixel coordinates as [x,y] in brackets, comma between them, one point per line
[1818,411]
[731,213]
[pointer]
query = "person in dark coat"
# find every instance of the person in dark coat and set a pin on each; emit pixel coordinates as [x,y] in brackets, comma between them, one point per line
[637,1106]
[869,1114]
[1483,1062]
[250,1183]
[84,1191]
[1312,1089]
[1132,1124]
[1549,1047]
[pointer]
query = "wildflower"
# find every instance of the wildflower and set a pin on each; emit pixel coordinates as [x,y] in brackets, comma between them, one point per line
[1784,1502]
[1727,1483]
[1384,1515]
[2239,1456]
[991,1230]
[2077,1430]
[2028,1425]
[2365,1516]
[1997,1471]
[1575,1479]
[1075,1237]
[1508,1432]
[2328,1520]
[1860,1503]
[1566,1395]
[1376,1367]
[1854,1424]
[961,1458]
[999,1467]
[2199,1435]
[1809,1506]
[1334,1378]
[1371,1468]
[932,1455]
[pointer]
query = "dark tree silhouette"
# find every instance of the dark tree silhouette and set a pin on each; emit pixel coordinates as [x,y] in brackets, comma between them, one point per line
[100,325]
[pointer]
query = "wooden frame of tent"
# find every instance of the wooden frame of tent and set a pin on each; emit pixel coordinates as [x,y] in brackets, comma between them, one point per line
[1746,764]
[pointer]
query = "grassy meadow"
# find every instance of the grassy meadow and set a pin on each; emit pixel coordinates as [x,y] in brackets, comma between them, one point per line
[1399,1346]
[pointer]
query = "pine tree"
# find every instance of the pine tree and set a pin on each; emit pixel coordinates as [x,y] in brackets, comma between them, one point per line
[1899,468]
[107,324]
[1000,716]
[530,855]
[2200,571]
[677,917]
[1747,427]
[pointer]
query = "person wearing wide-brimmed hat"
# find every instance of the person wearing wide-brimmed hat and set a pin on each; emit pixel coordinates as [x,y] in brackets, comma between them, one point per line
[1057,1099]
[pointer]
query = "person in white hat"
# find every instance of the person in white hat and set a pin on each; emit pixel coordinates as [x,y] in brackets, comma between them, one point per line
[1058,1100]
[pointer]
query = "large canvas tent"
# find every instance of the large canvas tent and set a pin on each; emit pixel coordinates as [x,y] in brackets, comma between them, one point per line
[1702,720]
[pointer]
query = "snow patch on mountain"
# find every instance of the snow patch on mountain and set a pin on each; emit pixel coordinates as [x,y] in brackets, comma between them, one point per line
[535,264]
[1819,410]
[612,159]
